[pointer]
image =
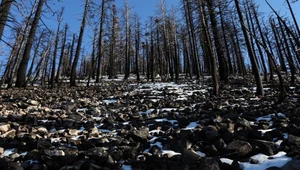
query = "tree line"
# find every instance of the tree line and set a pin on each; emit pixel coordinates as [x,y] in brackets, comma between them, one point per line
[195,38]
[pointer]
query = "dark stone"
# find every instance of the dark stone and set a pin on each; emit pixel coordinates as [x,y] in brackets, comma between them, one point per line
[14,166]
[116,154]
[189,157]
[44,143]
[293,151]
[183,122]
[235,165]
[265,147]
[154,150]
[3,163]
[96,153]
[255,134]
[228,137]
[89,125]
[220,144]
[211,133]
[241,135]
[241,122]
[294,164]
[31,120]
[254,161]
[293,129]
[242,148]
[141,133]
[209,164]
[294,140]
[91,165]
[211,150]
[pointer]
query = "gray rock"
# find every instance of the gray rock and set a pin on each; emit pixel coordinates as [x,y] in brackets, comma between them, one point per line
[33,102]
[14,156]
[294,164]
[54,152]
[94,132]
[294,140]
[73,132]
[96,152]
[10,134]
[42,130]
[241,147]
[189,157]
[4,127]
[1,150]
[141,133]
[210,164]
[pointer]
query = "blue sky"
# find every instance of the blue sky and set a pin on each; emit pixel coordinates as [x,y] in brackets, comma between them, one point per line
[146,8]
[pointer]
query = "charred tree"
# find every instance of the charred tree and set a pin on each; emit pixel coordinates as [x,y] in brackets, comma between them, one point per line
[4,11]
[255,68]
[21,74]
[62,54]
[77,53]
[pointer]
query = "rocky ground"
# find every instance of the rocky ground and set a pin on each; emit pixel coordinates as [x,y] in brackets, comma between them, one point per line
[128,125]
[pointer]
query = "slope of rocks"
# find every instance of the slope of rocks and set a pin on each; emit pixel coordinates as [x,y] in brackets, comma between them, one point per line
[128,125]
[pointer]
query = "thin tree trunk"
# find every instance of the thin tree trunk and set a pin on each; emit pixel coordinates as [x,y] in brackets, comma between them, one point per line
[11,59]
[223,70]
[92,69]
[281,81]
[226,45]
[192,38]
[54,56]
[263,41]
[71,54]
[255,69]
[289,54]
[111,71]
[77,54]
[34,57]
[62,54]
[278,46]
[137,48]
[99,58]
[293,16]
[21,75]
[127,42]
[214,71]
[4,11]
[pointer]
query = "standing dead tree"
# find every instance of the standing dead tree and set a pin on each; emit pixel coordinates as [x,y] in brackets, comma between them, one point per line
[21,74]
[77,53]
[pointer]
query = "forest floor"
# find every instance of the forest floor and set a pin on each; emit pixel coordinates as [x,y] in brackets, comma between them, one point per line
[129,125]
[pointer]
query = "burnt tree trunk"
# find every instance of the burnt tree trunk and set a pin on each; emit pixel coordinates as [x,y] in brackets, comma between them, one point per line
[21,74]
[77,53]
[255,68]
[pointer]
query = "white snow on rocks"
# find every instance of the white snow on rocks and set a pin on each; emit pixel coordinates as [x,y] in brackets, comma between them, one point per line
[191,126]
[264,161]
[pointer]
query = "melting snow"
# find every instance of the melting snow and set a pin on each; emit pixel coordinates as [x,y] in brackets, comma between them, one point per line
[109,101]
[265,161]
[201,154]
[147,112]
[269,117]
[166,120]
[24,153]
[191,126]
[7,152]
[170,153]
[266,130]
[126,167]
